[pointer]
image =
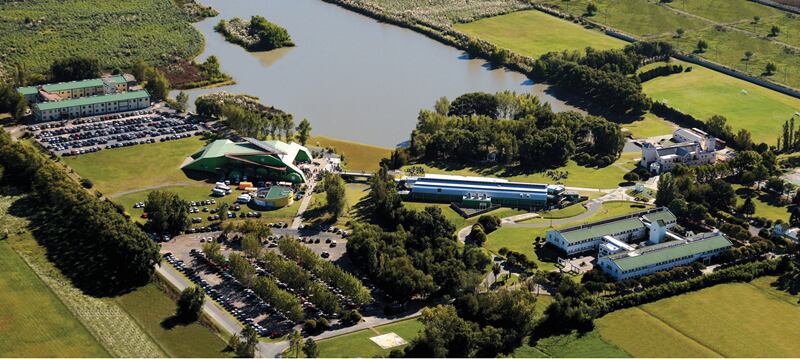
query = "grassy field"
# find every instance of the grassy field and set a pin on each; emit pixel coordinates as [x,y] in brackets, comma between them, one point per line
[726,25]
[354,193]
[762,202]
[534,33]
[445,12]
[358,344]
[730,320]
[117,332]
[703,93]
[579,176]
[456,219]
[33,321]
[357,156]
[566,212]
[649,126]
[34,33]
[150,307]
[589,345]
[137,167]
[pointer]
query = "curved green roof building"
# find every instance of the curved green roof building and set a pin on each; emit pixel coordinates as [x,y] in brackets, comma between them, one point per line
[269,159]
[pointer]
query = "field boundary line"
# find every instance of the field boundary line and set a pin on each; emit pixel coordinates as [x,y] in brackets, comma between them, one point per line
[143,329]
[771,295]
[681,332]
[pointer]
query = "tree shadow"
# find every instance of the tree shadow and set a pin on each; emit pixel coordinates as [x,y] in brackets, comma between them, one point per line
[173,321]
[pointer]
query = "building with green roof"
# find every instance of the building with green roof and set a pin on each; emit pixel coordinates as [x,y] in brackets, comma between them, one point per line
[91,106]
[251,159]
[663,256]
[73,89]
[628,228]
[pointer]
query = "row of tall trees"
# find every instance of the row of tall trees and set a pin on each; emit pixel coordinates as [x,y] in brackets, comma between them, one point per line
[249,118]
[87,238]
[513,129]
[266,288]
[300,281]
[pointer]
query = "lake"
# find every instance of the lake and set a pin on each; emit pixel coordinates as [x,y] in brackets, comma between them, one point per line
[353,77]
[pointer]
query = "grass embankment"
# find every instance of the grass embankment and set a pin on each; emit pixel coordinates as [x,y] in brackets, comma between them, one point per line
[152,310]
[534,33]
[730,320]
[703,93]
[357,156]
[358,344]
[35,323]
[726,25]
[578,176]
[35,33]
[114,329]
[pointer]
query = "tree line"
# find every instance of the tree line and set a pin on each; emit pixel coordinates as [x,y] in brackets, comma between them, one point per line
[88,239]
[513,129]
[266,288]
[296,278]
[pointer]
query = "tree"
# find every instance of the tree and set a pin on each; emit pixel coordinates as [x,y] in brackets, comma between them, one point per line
[295,343]
[591,9]
[74,68]
[748,55]
[251,246]
[774,31]
[442,106]
[334,194]
[166,212]
[247,348]
[181,100]
[310,348]
[489,222]
[748,208]
[496,269]
[770,69]
[475,103]
[12,101]
[477,236]
[666,191]
[157,85]
[190,304]
[679,32]
[702,46]
[303,131]
[140,70]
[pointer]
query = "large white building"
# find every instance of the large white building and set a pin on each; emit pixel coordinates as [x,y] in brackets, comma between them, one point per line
[693,148]
[629,228]
[638,244]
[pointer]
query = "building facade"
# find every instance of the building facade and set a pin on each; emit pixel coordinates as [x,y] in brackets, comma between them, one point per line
[91,106]
[480,192]
[628,228]
[692,148]
[74,89]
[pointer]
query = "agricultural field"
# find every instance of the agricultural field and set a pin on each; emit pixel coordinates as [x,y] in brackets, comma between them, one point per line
[534,33]
[152,309]
[730,320]
[445,12]
[728,26]
[35,33]
[703,93]
[35,323]
[357,156]
[577,175]
[113,328]
[358,344]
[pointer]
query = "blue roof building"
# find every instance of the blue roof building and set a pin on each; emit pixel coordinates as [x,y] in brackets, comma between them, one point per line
[481,192]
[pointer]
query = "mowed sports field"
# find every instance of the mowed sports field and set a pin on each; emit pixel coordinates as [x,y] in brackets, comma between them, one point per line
[728,320]
[533,33]
[703,93]
[33,321]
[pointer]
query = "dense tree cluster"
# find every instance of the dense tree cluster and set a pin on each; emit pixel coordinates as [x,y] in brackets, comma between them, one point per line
[246,115]
[410,254]
[190,304]
[12,101]
[659,71]
[266,288]
[258,34]
[167,212]
[603,76]
[513,129]
[74,68]
[89,239]
[299,280]
[332,274]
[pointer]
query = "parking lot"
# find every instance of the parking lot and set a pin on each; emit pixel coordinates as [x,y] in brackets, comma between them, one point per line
[92,134]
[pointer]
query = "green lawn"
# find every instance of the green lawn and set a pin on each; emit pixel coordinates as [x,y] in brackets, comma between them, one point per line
[578,176]
[358,344]
[726,11]
[731,320]
[703,93]
[354,193]
[763,207]
[456,219]
[136,167]
[357,156]
[33,321]
[534,33]
[649,126]
[35,33]
[566,212]
[589,345]
[149,306]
